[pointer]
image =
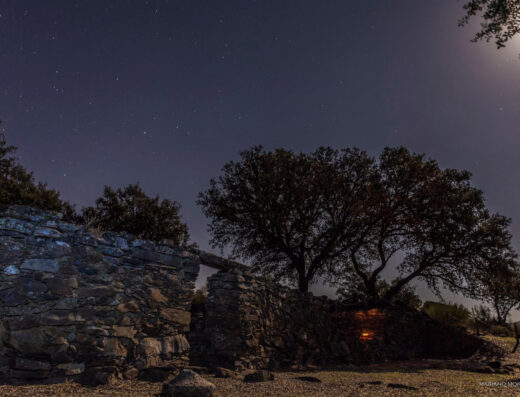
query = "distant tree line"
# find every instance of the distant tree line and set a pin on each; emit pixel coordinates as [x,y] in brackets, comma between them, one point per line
[336,215]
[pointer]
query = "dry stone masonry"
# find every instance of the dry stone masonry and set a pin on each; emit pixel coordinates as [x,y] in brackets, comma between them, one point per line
[95,307]
[250,322]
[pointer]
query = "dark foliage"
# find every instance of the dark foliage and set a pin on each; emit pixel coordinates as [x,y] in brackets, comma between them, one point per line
[356,294]
[483,321]
[447,313]
[501,330]
[432,220]
[199,300]
[292,214]
[131,210]
[496,281]
[501,19]
[17,186]
[346,215]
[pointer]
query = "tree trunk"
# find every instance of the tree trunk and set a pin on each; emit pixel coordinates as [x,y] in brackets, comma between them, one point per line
[371,289]
[517,337]
[390,294]
[303,283]
[500,319]
[394,290]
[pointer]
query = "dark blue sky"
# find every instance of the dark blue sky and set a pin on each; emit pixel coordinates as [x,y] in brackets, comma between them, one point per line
[165,92]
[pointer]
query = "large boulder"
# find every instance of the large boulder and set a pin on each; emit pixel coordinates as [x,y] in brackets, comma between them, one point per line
[189,384]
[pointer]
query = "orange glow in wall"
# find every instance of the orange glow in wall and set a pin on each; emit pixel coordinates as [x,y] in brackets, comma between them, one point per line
[366,335]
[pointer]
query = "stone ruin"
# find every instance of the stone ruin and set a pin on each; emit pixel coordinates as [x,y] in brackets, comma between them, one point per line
[77,304]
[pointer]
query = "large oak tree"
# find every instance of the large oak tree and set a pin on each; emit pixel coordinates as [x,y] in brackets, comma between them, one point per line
[292,214]
[425,222]
[344,215]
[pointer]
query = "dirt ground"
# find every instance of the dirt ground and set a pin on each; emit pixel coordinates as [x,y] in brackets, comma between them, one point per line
[414,378]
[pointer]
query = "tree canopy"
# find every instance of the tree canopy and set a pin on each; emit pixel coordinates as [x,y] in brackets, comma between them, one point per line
[345,215]
[496,278]
[429,221]
[291,214]
[501,19]
[130,210]
[354,293]
[501,290]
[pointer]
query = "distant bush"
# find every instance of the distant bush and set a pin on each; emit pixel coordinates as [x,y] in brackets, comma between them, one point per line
[407,296]
[447,313]
[481,319]
[482,314]
[131,210]
[199,299]
[501,330]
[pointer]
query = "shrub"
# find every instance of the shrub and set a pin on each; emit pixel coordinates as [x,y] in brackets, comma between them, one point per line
[501,330]
[481,319]
[131,210]
[199,299]
[447,313]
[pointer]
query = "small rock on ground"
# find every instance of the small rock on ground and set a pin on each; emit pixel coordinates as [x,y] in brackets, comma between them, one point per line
[189,384]
[494,364]
[373,383]
[259,376]
[309,379]
[400,386]
[224,373]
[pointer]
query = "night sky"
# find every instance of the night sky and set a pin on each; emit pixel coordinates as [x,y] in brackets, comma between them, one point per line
[166,92]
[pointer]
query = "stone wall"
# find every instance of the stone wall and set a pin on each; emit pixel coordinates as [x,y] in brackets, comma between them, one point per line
[249,322]
[94,307]
[89,306]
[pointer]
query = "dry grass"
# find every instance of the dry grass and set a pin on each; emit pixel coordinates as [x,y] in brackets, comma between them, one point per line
[123,389]
[428,382]
[506,343]
[359,382]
